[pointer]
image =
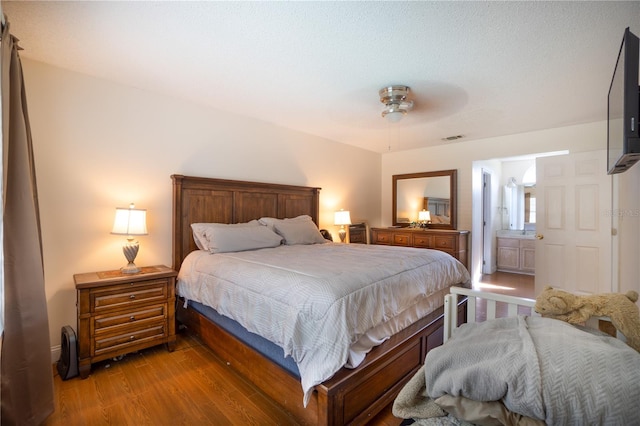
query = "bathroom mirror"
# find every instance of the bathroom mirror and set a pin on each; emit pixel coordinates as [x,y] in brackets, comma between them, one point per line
[519,206]
[413,192]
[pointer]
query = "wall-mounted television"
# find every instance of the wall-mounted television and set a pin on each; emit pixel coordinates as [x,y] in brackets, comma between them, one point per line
[623,134]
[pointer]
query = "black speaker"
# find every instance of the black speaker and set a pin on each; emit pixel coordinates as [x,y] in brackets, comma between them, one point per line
[68,363]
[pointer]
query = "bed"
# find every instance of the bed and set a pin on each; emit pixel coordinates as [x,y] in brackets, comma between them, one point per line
[523,369]
[351,395]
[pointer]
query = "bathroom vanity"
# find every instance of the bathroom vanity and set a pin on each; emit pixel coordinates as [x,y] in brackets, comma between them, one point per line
[517,252]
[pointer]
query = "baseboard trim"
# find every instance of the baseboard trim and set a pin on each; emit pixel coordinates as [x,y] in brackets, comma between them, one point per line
[55,353]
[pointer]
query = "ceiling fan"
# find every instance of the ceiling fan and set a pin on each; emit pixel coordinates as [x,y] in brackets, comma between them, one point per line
[396,104]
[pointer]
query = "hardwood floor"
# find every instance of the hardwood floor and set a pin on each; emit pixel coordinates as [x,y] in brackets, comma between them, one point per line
[518,285]
[156,387]
[192,386]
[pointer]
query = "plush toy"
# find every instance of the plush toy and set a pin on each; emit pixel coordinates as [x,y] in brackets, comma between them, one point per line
[621,308]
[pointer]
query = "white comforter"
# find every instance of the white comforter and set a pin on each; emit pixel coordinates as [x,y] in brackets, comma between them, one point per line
[316,300]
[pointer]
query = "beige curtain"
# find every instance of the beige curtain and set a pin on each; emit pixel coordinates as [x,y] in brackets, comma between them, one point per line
[26,368]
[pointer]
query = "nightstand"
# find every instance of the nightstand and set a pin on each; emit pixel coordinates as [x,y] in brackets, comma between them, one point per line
[358,233]
[121,313]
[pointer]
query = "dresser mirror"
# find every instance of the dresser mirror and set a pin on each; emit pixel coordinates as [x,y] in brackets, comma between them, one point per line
[431,191]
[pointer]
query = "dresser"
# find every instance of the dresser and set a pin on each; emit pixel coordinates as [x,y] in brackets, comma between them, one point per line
[452,241]
[121,313]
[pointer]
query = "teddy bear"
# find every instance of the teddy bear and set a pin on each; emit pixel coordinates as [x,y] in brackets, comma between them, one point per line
[574,309]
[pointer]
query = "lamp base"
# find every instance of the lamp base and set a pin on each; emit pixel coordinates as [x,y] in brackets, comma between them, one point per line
[343,234]
[131,268]
[130,251]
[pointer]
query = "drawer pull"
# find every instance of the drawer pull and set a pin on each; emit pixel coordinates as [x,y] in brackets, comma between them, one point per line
[132,318]
[132,296]
[132,338]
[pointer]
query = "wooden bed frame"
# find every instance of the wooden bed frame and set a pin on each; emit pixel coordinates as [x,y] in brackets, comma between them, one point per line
[351,396]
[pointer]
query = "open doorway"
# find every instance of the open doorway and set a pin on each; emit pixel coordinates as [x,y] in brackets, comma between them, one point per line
[490,214]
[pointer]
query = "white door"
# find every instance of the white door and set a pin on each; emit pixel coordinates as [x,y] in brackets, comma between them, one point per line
[573,248]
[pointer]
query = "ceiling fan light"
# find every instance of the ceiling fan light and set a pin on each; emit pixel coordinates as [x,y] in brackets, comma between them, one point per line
[393,116]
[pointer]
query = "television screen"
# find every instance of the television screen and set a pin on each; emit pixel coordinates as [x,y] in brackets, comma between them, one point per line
[623,141]
[615,123]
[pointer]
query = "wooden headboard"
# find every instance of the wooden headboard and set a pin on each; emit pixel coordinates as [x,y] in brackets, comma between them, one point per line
[207,200]
[437,206]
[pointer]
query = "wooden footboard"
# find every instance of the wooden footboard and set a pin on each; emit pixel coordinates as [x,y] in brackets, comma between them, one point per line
[351,396]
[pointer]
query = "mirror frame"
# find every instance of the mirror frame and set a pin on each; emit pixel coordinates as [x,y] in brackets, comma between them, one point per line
[453,181]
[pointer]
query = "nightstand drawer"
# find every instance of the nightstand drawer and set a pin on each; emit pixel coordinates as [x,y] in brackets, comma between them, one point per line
[442,242]
[357,237]
[130,317]
[128,295]
[110,342]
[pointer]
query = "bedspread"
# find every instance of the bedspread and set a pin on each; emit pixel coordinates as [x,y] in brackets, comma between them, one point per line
[316,300]
[541,368]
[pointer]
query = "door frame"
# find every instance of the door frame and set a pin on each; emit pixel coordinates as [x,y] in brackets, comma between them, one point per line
[488,260]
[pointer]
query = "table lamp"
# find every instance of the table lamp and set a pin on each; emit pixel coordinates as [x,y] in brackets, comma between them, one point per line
[424,217]
[342,218]
[130,222]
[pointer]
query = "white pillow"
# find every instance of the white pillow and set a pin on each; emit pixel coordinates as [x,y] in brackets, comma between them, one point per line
[241,238]
[271,221]
[200,231]
[299,232]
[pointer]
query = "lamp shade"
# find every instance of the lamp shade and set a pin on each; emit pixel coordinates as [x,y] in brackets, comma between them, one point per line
[130,221]
[424,216]
[342,218]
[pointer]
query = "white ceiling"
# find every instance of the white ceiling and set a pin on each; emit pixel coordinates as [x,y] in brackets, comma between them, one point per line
[479,69]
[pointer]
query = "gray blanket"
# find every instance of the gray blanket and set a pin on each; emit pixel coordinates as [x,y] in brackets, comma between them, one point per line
[541,368]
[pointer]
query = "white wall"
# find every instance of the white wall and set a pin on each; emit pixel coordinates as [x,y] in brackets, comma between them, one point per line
[99,145]
[467,158]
